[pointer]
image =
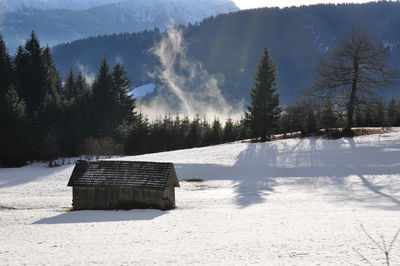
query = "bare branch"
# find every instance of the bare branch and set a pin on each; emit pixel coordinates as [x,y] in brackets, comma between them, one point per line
[394,239]
[372,239]
[363,257]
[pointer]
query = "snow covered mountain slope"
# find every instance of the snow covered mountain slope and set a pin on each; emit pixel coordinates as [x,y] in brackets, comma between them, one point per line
[76,21]
[290,202]
[22,5]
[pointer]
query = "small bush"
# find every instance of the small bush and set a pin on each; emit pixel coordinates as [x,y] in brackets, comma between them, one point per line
[94,148]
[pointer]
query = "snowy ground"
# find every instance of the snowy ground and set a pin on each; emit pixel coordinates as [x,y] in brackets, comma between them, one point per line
[290,202]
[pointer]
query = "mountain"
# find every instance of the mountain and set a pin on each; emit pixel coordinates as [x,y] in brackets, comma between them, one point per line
[230,45]
[22,5]
[73,21]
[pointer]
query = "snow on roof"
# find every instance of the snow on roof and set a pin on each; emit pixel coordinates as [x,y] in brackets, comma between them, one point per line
[151,175]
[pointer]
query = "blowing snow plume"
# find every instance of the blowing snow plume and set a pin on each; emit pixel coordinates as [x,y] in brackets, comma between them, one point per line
[187,89]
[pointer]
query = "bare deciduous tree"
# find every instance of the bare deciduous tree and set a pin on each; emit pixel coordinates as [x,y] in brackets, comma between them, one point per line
[353,73]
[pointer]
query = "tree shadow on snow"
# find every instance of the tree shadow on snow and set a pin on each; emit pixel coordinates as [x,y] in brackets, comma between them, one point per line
[314,162]
[101,216]
[253,182]
[10,177]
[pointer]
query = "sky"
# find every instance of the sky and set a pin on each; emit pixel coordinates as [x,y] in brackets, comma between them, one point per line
[245,4]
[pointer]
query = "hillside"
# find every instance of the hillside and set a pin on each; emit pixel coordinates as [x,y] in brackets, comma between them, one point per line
[229,45]
[63,21]
[23,5]
[289,202]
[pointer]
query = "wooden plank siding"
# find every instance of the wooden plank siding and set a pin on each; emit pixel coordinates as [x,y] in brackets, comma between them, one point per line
[108,198]
[109,185]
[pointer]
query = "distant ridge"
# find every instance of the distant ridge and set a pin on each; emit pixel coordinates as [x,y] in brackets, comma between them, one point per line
[23,5]
[229,45]
[62,21]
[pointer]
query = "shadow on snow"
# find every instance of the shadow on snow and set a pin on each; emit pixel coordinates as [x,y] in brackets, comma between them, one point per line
[101,216]
[314,162]
[10,177]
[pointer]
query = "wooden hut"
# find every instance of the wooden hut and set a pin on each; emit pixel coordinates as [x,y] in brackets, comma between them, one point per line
[105,185]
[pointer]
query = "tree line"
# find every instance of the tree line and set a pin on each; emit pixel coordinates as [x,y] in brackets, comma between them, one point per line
[347,92]
[43,117]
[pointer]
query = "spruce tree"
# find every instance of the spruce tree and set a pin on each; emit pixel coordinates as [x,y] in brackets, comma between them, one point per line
[14,130]
[394,113]
[263,114]
[122,85]
[206,133]
[216,132]
[380,119]
[39,85]
[31,73]
[139,139]
[70,88]
[103,103]
[229,132]
[6,82]
[194,136]
[82,105]
[6,71]
[184,128]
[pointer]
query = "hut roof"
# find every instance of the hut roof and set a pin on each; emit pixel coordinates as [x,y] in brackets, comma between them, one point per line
[150,175]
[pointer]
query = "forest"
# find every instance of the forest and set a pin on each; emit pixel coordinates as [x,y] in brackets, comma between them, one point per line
[229,45]
[44,117]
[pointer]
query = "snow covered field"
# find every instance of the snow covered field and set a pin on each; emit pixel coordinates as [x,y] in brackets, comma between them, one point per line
[290,202]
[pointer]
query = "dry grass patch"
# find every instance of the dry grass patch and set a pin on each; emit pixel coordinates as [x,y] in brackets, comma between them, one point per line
[4,208]
[364,131]
[194,180]
[274,138]
[67,209]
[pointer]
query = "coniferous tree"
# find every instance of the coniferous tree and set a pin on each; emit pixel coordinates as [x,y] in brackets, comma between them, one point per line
[76,115]
[206,133]
[14,130]
[103,103]
[380,119]
[6,71]
[177,134]
[6,83]
[194,135]
[39,85]
[83,105]
[31,74]
[50,112]
[243,129]
[70,88]
[122,87]
[229,132]
[394,113]
[263,114]
[359,117]
[138,139]
[184,128]
[216,132]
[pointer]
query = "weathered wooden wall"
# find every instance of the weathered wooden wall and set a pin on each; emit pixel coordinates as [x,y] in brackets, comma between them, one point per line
[106,198]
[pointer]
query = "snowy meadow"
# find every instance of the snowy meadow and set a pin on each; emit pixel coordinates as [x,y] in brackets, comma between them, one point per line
[290,202]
